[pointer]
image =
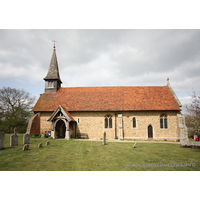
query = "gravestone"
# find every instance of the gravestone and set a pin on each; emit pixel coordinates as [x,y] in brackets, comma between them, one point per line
[104,138]
[134,145]
[39,145]
[26,139]
[2,136]
[14,138]
[25,147]
[47,143]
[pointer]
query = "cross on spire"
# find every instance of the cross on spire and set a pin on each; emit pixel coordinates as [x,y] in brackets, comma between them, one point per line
[54,47]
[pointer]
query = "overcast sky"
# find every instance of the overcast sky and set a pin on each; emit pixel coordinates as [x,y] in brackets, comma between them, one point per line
[102,58]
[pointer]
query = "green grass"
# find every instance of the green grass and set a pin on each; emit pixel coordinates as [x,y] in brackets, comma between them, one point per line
[76,155]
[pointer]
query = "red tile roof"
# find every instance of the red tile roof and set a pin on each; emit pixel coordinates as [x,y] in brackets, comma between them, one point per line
[120,98]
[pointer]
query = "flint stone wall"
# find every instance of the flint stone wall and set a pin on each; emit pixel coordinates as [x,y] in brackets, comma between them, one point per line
[2,136]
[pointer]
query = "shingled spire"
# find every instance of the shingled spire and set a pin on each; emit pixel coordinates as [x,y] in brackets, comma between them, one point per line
[52,79]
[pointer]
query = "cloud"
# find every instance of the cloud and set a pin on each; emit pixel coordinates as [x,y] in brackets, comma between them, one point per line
[104,57]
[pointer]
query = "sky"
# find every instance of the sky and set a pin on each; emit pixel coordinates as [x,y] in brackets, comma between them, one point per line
[102,57]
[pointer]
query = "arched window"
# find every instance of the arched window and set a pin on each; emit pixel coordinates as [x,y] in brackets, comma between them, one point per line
[163,121]
[108,121]
[134,122]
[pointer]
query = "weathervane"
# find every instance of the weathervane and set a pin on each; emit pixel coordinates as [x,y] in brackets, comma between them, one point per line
[54,45]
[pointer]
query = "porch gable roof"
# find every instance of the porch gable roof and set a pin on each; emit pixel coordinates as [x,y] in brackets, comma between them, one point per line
[66,114]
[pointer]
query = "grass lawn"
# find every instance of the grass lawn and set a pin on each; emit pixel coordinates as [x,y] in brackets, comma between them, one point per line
[76,155]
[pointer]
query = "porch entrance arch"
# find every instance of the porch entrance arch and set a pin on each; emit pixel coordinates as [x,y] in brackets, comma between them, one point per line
[60,129]
[63,124]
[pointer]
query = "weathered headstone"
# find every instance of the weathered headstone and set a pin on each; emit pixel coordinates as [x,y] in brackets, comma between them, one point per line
[26,139]
[14,138]
[39,145]
[134,145]
[2,136]
[104,138]
[25,147]
[47,143]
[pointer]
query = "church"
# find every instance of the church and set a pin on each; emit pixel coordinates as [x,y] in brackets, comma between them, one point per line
[123,112]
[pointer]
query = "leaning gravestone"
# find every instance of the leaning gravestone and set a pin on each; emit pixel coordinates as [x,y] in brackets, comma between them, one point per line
[39,145]
[104,138]
[47,143]
[14,138]
[25,147]
[2,136]
[26,139]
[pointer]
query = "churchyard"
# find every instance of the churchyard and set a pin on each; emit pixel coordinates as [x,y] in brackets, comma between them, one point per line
[84,155]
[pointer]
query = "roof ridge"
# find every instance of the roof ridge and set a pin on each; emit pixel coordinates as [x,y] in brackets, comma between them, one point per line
[108,86]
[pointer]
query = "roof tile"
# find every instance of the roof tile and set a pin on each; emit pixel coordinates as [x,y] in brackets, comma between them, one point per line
[127,98]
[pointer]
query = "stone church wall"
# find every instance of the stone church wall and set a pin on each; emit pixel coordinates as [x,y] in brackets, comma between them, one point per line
[93,124]
[144,119]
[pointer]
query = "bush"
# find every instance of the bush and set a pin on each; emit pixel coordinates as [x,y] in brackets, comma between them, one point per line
[165,140]
[43,135]
[51,138]
[71,137]
[39,136]
[178,140]
[116,137]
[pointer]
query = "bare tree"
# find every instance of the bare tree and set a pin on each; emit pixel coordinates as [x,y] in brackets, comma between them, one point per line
[193,110]
[15,107]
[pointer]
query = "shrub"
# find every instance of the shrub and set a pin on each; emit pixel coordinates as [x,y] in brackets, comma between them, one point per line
[39,136]
[178,140]
[116,137]
[43,135]
[165,140]
[71,137]
[50,137]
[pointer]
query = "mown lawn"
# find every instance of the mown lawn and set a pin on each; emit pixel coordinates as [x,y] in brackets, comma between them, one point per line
[76,155]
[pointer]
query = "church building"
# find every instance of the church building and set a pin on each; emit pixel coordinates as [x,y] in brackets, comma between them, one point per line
[123,112]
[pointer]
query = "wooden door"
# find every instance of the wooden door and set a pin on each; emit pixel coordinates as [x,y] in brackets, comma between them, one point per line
[150,131]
